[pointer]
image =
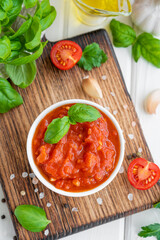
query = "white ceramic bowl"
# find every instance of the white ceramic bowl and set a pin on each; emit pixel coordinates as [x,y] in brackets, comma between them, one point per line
[35,168]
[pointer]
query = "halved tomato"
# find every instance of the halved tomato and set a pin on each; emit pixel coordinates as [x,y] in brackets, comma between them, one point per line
[143,174]
[65,54]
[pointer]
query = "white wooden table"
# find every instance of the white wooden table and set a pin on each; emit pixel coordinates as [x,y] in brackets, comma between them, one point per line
[140,78]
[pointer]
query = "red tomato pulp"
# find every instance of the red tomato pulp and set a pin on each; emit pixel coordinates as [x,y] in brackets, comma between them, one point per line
[83,159]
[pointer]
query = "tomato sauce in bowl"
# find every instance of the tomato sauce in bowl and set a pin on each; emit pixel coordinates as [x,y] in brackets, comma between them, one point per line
[83,159]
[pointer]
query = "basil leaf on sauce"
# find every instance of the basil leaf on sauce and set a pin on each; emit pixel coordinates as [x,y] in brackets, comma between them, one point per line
[56,130]
[83,113]
[79,112]
[31,217]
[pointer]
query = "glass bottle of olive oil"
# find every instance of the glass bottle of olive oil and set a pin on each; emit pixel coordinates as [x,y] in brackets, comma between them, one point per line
[94,12]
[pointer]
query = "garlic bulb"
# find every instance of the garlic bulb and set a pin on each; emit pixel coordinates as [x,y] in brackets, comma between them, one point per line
[146,15]
[91,87]
[152,101]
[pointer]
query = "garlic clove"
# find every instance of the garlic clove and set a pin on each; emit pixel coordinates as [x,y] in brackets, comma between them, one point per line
[152,101]
[91,87]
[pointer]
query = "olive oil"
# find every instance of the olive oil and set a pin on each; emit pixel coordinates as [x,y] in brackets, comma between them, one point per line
[109,5]
[94,12]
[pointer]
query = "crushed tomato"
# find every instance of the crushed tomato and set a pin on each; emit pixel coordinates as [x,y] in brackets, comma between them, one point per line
[83,159]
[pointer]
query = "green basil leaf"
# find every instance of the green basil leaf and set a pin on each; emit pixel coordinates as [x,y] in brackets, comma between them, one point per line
[31,217]
[83,113]
[3,14]
[6,4]
[13,55]
[23,28]
[22,75]
[92,56]
[56,130]
[150,48]
[123,35]
[5,47]
[16,45]
[38,12]
[29,3]
[46,8]
[9,98]
[29,58]
[49,19]
[5,21]
[136,51]
[3,73]
[14,11]
[33,34]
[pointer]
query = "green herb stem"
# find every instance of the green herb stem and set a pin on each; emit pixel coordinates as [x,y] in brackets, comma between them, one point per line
[11,30]
[22,16]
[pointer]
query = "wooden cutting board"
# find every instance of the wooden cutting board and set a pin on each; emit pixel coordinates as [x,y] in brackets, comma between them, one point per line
[52,85]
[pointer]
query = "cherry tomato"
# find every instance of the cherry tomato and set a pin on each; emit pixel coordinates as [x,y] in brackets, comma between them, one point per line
[143,174]
[65,54]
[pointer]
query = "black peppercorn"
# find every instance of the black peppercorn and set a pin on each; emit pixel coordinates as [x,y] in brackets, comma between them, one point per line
[65,205]
[3,200]
[129,157]
[14,238]
[134,155]
[158,182]
[3,217]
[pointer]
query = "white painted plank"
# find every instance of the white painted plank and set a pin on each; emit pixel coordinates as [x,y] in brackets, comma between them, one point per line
[6,227]
[135,222]
[111,231]
[144,79]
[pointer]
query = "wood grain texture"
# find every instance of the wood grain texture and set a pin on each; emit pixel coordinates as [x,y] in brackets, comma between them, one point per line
[52,85]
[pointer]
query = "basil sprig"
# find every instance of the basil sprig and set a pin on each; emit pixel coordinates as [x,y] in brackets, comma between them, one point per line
[31,217]
[59,127]
[123,35]
[144,45]
[19,48]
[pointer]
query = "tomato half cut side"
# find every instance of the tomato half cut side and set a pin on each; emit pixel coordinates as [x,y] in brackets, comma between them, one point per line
[65,54]
[143,174]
